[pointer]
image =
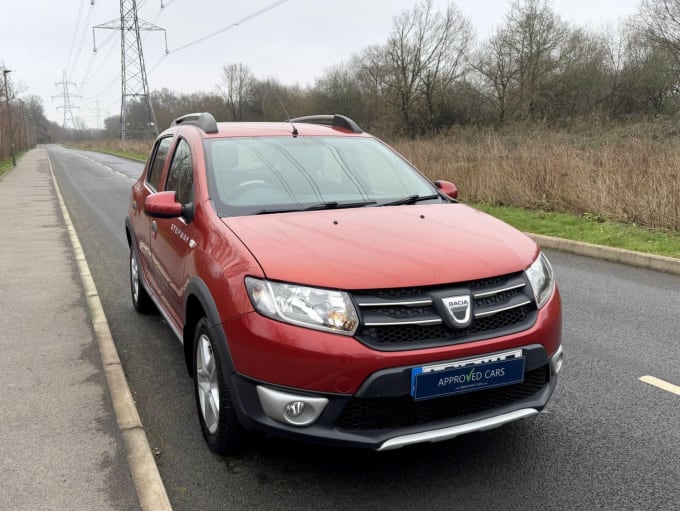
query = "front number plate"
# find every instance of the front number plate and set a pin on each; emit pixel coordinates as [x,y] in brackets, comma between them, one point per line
[467,376]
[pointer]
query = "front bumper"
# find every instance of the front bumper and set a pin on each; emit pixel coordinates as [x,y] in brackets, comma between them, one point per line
[382,415]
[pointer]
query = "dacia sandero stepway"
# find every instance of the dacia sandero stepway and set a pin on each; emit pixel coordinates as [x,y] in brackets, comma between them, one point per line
[325,290]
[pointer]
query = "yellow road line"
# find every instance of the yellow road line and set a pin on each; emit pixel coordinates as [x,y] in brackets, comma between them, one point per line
[673,389]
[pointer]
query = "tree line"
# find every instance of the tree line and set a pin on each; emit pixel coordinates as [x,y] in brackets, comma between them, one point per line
[433,73]
[23,123]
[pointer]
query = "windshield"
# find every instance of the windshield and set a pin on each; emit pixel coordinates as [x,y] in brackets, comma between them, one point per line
[258,175]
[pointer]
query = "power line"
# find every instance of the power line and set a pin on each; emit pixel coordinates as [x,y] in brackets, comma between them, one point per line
[232,25]
[82,40]
[217,32]
[75,34]
[95,52]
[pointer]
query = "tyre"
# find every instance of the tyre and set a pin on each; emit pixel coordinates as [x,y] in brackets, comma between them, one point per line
[141,300]
[221,428]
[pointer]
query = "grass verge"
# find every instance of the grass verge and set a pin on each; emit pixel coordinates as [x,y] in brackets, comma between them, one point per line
[589,229]
[5,166]
[128,154]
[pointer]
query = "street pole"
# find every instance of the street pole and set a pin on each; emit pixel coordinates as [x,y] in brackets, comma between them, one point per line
[23,122]
[9,117]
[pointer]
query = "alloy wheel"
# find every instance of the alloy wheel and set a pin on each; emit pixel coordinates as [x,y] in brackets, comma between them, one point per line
[207,384]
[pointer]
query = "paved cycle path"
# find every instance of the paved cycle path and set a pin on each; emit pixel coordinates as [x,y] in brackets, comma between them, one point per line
[60,447]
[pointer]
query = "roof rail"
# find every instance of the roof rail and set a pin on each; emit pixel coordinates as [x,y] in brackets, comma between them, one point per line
[336,121]
[205,121]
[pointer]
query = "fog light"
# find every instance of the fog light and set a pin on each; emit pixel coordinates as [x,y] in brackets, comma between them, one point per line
[290,408]
[557,361]
[295,408]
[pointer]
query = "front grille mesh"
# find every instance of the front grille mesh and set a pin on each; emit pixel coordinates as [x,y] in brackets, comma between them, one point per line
[505,305]
[371,414]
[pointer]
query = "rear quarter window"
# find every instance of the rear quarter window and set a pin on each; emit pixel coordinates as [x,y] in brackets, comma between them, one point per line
[181,174]
[160,155]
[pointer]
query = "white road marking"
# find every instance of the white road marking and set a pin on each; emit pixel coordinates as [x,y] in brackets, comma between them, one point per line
[669,387]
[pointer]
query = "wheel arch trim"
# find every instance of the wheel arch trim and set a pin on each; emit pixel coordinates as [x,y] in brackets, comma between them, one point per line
[197,291]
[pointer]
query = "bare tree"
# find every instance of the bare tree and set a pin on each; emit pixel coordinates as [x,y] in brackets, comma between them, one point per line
[649,79]
[536,35]
[274,101]
[582,83]
[339,92]
[659,22]
[497,64]
[371,71]
[423,55]
[454,35]
[237,88]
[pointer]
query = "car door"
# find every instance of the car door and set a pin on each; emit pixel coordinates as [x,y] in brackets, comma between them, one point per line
[171,240]
[141,222]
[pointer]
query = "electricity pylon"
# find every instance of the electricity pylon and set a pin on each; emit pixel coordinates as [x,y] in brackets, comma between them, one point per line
[68,107]
[134,85]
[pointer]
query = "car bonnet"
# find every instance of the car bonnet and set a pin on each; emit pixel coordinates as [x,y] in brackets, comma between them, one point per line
[381,247]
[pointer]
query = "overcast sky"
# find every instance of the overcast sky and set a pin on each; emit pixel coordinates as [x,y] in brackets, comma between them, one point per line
[293,42]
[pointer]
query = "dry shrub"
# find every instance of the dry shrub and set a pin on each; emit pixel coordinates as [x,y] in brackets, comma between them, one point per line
[627,173]
[121,146]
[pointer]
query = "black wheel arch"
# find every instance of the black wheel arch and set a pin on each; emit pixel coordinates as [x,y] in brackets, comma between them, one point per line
[200,303]
[128,231]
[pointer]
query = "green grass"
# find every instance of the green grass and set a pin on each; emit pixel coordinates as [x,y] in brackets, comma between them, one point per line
[128,154]
[125,154]
[588,228]
[6,165]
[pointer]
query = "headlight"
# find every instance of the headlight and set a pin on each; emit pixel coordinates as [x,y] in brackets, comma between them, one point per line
[321,309]
[541,278]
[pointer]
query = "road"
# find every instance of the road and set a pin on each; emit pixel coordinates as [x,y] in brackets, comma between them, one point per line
[607,440]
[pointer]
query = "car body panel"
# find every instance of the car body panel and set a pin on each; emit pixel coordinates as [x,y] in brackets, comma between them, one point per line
[377,247]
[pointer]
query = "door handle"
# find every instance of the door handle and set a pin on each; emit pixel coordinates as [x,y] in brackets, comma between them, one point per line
[154,227]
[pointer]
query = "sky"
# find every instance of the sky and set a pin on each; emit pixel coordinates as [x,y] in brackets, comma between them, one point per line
[293,41]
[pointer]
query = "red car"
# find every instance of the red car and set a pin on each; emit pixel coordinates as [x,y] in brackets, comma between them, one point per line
[325,290]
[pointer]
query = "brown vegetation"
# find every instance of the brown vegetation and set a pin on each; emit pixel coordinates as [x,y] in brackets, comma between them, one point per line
[624,172]
[628,173]
[138,148]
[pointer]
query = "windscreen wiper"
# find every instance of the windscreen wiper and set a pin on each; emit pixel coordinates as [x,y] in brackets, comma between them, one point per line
[338,205]
[412,199]
[269,211]
[316,207]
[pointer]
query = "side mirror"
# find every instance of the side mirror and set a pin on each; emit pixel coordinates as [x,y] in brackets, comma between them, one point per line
[163,205]
[448,188]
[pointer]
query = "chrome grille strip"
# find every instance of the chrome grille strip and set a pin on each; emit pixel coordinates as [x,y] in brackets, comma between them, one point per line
[503,309]
[387,303]
[497,291]
[422,322]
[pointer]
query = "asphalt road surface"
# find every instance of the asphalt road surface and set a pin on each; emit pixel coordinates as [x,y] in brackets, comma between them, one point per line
[606,440]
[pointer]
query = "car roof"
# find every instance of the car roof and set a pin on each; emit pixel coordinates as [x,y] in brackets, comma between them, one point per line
[264,129]
[317,125]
